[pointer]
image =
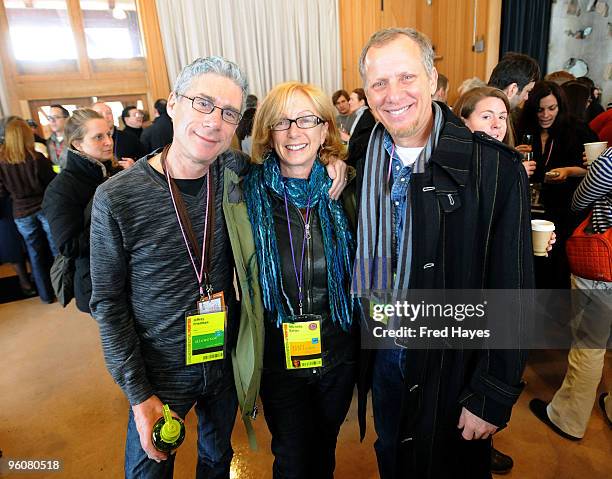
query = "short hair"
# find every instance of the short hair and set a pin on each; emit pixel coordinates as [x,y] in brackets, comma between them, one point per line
[361,95]
[126,111]
[251,101]
[469,84]
[64,111]
[466,105]
[383,37]
[271,110]
[214,64]
[18,141]
[76,126]
[515,68]
[160,105]
[577,94]
[337,94]
[442,82]
[559,77]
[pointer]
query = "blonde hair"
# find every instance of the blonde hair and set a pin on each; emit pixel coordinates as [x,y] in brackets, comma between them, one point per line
[466,104]
[271,111]
[18,142]
[76,126]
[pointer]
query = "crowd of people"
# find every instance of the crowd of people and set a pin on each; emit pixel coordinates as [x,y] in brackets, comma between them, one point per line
[330,201]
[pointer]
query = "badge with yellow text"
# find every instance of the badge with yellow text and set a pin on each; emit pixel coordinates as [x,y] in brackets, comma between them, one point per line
[205,337]
[302,339]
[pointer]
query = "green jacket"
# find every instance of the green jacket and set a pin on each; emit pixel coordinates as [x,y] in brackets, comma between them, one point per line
[247,357]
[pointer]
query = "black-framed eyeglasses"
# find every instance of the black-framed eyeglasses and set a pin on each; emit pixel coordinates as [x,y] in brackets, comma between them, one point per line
[303,122]
[204,105]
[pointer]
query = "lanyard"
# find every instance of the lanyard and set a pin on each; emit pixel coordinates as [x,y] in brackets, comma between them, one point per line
[299,277]
[187,229]
[552,143]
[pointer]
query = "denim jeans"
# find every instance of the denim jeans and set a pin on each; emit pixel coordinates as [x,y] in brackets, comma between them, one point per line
[304,416]
[216,406]
[387,392]
[36,233]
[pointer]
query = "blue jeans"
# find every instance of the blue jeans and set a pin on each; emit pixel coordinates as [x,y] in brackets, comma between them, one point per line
[36,233]
[304,416]
[387,393]
[216,407]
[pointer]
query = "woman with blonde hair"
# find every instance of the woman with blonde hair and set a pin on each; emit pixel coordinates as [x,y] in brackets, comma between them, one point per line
[25,174]
[67,202]
[304,247]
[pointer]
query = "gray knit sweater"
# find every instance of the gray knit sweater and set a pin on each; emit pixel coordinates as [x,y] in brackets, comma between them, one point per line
[143,282]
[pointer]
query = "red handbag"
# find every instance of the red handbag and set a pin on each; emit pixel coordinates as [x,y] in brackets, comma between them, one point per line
[590,254]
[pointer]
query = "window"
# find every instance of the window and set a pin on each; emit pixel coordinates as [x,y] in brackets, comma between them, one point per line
[111,29]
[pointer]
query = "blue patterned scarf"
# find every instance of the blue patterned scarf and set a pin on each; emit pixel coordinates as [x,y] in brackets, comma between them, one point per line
[265,180]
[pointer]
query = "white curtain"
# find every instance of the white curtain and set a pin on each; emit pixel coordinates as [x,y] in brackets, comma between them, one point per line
[271,40]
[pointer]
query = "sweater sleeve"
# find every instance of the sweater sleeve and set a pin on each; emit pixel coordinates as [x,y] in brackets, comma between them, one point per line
[110,305]
[596,184]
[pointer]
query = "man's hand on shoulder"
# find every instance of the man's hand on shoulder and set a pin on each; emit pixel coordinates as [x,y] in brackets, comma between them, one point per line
[336,170]
[474,427]
[146,415]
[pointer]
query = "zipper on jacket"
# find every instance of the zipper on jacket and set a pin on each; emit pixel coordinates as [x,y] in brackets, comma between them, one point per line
[307,275]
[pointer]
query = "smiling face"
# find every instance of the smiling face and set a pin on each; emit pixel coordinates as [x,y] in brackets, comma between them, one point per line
[548,111]
[490,116]
[98,140]
[201,137]
[297,147]
[399,90]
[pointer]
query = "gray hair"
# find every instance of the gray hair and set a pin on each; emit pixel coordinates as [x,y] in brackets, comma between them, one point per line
[382,37]
[217,65]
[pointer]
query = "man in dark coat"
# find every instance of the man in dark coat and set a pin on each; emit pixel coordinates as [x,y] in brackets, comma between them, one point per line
[127,148]
[440,208]
[160,132]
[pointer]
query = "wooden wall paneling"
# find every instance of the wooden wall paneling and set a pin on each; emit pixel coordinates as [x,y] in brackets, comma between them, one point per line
[493,35]
[79,88]
[157,72]
[400,13]
[359,19]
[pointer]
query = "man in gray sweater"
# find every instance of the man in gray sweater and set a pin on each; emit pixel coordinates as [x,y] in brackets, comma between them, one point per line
[147,275]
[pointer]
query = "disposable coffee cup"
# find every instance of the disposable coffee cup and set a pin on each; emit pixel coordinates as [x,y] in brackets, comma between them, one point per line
[593,150]
[541,231]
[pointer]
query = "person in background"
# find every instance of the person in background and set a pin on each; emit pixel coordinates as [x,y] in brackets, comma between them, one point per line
[359,134]
[160,133]
[559,77]
[602,125]
[344,118]
[55,143]
[557,148]
[287,209]
[441,93]
[126,148]
[132,118]
[470,83]
[594,107]
[24,175]
[40,144]
[245,127]
[569,411]
[515,75]
[67,201]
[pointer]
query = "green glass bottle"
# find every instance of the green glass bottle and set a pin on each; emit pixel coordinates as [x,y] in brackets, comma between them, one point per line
[168,432]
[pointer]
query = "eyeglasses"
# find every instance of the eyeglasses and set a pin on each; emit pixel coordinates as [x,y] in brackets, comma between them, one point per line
[303,122]
[203,105]
[54,118]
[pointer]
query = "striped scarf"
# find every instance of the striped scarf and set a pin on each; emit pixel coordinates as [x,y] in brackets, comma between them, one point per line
[374,270]
[265,180]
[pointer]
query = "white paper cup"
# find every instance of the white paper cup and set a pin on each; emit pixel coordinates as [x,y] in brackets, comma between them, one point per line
[593,150]
[541,231]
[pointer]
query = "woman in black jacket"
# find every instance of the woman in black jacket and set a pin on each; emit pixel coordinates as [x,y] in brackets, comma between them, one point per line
[67,202]
[24,175]
[557,146]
